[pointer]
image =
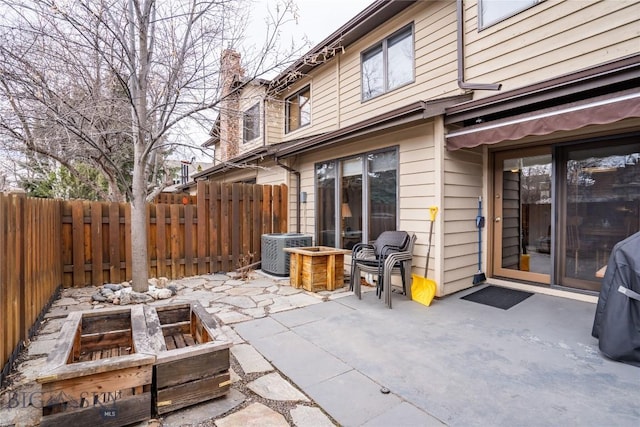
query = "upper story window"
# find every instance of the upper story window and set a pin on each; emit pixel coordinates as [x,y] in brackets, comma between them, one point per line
[298,110]
[493,11]
[251,123]
[388,65]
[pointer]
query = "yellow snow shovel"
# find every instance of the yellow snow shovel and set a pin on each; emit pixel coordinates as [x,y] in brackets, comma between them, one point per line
[422,289]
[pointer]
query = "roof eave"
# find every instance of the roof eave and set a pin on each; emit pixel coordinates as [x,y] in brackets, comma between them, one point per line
[247,157]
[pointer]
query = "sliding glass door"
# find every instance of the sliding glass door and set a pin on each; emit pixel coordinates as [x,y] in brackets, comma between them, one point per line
[599,206]
[559,211]
[357,198]
[522,215]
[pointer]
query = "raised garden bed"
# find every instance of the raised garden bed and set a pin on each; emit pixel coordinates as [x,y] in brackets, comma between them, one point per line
[101,370]
[192,356]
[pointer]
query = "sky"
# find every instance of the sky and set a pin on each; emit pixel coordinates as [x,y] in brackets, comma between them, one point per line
[317,18]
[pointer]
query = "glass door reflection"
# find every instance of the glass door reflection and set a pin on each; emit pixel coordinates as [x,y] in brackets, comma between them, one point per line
[601,207]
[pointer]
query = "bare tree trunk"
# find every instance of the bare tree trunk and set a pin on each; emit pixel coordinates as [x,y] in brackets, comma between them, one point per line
[141,130]
[139,232]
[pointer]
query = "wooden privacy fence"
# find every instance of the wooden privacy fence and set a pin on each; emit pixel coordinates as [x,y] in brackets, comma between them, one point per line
[30,269]
[172,198]
[46,243]
[220,233]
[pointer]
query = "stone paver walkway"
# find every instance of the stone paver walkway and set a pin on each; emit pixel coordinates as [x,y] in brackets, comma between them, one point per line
[259,395]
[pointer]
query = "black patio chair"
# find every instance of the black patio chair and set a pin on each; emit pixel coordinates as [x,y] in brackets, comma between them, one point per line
[391,253]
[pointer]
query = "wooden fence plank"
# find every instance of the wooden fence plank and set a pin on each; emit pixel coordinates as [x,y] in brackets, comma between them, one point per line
[152,244]
[225,226]
[66,252]
[267,222]
[114,243]
[28,295]
[149,212]
[275,209]
[175,240]
[256,219]
[161,240]
[245,220]
[189,238]
[127,236]
[201,234]
[96,244]
[284,209]
[4,309]
[236,212]
[15,268]
[77,228]
[214,226]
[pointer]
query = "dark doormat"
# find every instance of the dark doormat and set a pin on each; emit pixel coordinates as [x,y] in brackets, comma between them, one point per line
[498,297]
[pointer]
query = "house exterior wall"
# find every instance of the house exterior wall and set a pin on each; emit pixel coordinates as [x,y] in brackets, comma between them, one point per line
[550,39]
[461,183]
[274,117]
[547,40]
[335,86]
[417,182]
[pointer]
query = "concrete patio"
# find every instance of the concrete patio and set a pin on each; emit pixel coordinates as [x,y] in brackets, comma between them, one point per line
[455,363]
[312,359]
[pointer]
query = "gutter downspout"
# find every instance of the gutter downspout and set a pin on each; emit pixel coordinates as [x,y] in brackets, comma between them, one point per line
[461,83]
[298,183]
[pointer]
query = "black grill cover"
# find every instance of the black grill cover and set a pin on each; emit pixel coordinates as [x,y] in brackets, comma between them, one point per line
[617,319]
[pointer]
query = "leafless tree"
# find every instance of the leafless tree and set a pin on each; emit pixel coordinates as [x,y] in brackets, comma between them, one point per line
[100,80]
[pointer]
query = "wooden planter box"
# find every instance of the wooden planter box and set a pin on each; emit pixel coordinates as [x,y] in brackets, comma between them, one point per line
[317,268]
[192,356]
[101,370]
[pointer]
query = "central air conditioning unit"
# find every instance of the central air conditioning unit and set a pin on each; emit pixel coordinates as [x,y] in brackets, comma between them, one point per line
[276,261]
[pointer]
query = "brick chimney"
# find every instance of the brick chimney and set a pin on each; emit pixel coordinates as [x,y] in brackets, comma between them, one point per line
[230,114]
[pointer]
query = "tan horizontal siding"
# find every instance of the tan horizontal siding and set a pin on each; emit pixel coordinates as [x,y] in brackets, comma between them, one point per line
[462,238]
[271,174]
[454,251]
[462,184]
[457,226]
[461,214]
[453,286]
[550,39]
[417,188]
[324,100]
[275,121]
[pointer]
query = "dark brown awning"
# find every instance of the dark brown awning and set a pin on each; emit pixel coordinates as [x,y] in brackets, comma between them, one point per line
[594,111]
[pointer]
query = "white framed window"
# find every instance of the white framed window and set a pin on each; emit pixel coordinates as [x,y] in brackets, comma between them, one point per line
[298,110]
[493,11]
[389,64]
[251,123]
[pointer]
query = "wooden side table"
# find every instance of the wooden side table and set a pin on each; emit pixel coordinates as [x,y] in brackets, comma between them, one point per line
[317,268]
